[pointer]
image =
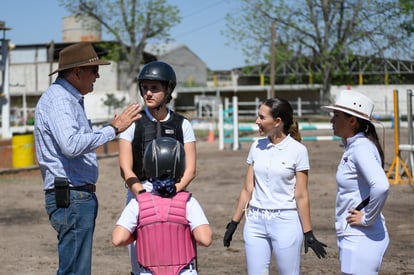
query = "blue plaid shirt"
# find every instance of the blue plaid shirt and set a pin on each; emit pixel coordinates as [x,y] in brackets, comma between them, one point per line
[64,139]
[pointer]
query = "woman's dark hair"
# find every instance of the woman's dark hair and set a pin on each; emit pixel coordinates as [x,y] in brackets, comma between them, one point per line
[370,132]
[282,108]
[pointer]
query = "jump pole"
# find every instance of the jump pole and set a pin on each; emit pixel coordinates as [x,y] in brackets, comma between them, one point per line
[410,127]
[235,125]
[221,127]
[236,144]
[395,165]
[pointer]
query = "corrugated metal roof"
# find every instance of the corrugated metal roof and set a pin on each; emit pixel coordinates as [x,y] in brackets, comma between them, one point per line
[162,49]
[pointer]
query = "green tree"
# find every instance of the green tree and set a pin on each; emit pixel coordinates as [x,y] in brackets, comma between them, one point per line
[326,32]
[131,23]
[407,8]
[113,103]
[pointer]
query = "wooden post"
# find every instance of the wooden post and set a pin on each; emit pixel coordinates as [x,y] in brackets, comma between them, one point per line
[272,59]
[393,173]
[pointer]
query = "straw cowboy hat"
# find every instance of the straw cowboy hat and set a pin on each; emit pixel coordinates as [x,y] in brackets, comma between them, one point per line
[353,103]
[78,55]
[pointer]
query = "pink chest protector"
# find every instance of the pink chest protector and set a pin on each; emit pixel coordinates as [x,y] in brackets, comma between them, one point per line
[164,241]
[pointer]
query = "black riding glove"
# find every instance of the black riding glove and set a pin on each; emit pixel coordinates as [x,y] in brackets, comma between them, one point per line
[231,228]
[317,246]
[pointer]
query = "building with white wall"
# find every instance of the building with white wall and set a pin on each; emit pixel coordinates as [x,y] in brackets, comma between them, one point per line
[191,71]
[31,64]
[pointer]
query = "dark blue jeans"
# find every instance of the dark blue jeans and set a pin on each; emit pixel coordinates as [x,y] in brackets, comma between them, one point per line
[74,226]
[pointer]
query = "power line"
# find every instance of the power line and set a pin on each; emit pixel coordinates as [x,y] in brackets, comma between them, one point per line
[206,25]
[200,28]
[204,8]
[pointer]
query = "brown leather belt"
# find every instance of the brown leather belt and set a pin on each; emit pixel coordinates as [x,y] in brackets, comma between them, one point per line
[91,188]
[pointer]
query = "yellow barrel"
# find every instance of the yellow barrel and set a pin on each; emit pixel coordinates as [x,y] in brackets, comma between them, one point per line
[22,150]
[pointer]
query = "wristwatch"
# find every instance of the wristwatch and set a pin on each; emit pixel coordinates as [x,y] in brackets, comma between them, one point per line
[115,128]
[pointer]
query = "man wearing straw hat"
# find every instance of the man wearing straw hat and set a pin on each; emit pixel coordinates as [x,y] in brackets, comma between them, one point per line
[65,148]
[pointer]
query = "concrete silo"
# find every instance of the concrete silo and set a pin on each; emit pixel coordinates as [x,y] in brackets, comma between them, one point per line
[85,29]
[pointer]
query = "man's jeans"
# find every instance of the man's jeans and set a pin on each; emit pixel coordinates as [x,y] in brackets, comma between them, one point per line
[75,226]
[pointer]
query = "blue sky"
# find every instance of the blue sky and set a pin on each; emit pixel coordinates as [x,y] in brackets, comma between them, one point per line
[40,21]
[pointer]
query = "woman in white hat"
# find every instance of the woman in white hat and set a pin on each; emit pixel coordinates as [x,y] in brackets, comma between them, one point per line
[362,186]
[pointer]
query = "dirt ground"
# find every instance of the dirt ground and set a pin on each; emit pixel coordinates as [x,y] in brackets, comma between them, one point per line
[28,242]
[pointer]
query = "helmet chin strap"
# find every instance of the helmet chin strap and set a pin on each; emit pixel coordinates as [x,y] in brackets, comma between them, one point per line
[158,108]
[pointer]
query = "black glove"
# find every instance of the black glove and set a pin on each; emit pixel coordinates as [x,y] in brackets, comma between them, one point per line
[231,228]
[317,246]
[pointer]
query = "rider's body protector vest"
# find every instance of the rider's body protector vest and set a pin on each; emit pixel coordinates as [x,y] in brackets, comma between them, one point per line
[164,241]
[146,131]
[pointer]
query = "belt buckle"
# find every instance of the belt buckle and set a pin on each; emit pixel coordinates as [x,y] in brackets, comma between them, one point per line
[93,188]
[90,187]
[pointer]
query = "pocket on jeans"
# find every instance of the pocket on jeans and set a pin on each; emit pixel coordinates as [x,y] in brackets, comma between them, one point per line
[81,196]
[57,217]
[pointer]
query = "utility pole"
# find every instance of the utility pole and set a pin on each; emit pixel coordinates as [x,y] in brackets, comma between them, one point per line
[4,84]
[272,59]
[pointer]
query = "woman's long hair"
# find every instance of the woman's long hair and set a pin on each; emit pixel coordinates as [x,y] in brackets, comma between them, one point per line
[366,127]
[282,108]
[370,132]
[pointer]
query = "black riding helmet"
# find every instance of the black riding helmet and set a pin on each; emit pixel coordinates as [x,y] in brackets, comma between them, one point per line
[164,157]
[161,71]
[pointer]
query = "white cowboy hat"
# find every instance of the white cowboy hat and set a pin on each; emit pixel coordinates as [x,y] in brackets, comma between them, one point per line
[353,103]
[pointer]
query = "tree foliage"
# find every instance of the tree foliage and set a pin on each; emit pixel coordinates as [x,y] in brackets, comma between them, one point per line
[407,8]
[326,32]
[130,23]
[113,103]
